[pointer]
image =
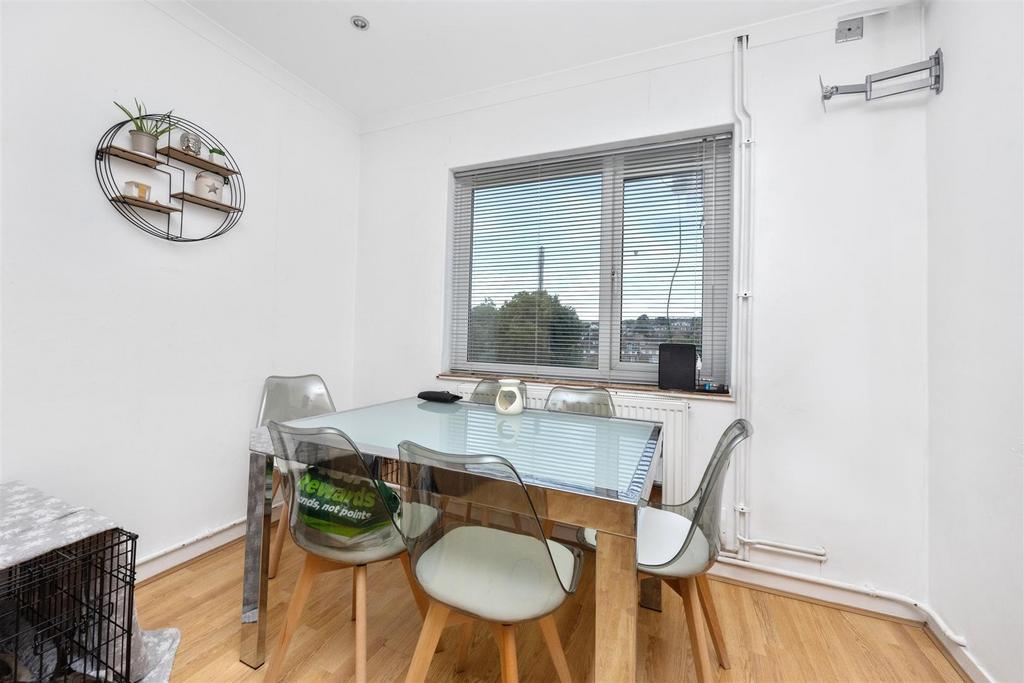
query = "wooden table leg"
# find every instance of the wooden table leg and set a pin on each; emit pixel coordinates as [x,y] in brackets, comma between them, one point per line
[616,614]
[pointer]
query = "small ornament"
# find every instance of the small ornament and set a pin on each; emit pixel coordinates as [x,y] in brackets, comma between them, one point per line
[137,190]
[209,185]
[191,143]
[510,399]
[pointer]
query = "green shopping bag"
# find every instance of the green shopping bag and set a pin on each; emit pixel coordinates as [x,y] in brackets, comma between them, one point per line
[343,504]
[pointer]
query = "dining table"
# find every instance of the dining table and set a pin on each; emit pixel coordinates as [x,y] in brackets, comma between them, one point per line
[581,470]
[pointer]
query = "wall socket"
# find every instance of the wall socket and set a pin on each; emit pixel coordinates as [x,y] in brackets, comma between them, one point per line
[850,29]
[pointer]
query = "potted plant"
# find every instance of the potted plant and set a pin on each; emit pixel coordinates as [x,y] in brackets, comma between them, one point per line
[217,156]
[146,130]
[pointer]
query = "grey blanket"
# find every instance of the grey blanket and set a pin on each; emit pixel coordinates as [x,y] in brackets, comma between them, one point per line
[33,523]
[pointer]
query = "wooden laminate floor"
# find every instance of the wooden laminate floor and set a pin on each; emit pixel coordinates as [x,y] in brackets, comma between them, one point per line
[770,637]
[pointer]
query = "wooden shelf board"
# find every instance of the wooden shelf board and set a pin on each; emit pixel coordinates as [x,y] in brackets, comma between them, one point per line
[152,206]
[209,203]
[198,162]
[134,157]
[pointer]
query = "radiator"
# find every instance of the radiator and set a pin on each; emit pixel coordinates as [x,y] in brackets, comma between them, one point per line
[672,413]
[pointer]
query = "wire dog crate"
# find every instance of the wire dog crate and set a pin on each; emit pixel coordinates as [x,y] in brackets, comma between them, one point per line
[67,615]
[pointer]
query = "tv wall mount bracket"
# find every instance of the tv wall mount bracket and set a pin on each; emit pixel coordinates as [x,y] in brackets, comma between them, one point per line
[932,80]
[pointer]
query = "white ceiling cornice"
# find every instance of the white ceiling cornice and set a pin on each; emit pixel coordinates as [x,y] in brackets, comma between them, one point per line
[202,25]
[763,33]
[701,47]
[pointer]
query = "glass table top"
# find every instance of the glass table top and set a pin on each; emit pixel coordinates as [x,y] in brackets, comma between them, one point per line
[606,457]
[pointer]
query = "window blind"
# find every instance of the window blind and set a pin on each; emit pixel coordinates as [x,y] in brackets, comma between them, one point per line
[578,266]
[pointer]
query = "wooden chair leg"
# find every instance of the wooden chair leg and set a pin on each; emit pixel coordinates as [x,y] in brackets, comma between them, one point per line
[359,609]
[465,641]
[354,581]
[300,595]
[422,601]
[674,584]
[695,625]
[277,543]
[707,603]
[430,634]
[507,647]
[550,631]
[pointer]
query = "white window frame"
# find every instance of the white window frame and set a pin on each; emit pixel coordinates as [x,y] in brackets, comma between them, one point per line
[609,368]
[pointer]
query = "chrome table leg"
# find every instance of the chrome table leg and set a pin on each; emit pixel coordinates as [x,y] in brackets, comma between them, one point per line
[257,560]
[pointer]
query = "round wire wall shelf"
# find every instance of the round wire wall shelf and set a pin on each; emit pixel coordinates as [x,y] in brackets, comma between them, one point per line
[145,214]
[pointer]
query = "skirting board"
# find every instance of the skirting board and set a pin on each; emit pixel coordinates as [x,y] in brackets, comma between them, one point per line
[876,605]
[959,657]
[883,607]
[167,560]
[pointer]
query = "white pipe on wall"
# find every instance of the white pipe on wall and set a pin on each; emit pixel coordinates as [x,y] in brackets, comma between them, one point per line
[819,554]
[742,281]
[743,363]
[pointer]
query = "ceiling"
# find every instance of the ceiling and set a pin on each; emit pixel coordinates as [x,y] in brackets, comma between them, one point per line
[422,51]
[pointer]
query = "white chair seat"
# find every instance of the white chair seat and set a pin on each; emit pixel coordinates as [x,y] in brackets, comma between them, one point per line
[388,545]
[496,575]
[660,535]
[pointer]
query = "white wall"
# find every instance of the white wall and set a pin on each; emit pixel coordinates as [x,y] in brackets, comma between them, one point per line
[975,331]
[883,232]
[132,366]
[839,376]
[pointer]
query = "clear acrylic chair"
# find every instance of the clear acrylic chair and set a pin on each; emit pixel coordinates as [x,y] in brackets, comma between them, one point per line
[477,551]
[679,543]
[340,516]
[289,398]
[585,401]
[486,391]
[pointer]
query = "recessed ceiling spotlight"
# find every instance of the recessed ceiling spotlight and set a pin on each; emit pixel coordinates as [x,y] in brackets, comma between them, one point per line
[359,22]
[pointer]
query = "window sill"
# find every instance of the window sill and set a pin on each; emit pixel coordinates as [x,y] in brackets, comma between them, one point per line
[640,388]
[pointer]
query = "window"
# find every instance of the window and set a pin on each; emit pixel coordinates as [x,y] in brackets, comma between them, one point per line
[580,266]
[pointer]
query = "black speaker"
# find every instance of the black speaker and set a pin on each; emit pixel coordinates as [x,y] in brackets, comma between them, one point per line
[677,366]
